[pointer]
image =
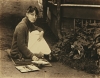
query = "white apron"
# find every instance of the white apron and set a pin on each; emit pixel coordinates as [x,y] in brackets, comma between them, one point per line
[36,46]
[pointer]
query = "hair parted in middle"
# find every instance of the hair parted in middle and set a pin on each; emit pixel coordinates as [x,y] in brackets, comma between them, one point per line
[32,9]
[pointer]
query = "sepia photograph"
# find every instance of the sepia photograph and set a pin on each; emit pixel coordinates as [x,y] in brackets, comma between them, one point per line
[49,38]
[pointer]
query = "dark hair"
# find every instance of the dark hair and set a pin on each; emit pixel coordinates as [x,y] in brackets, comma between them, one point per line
[32,9]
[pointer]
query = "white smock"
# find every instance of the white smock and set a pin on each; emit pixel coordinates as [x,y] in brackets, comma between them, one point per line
[36,46]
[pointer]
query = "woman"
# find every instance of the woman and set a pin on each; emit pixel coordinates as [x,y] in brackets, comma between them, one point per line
[27,37]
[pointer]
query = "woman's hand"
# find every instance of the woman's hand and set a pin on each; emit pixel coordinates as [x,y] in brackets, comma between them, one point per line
[34,58]
[41,35]
[39,55]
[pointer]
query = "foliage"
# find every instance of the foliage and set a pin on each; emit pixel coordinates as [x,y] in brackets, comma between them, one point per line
[79,50]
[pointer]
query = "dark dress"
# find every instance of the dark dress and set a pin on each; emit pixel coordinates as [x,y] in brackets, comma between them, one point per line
[19,46]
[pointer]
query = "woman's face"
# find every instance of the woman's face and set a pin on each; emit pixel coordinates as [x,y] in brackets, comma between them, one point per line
[32,16]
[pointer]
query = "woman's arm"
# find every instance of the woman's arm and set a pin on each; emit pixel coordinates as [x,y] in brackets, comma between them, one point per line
[21,37]
[41,32]
[21,43]
[41,35]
